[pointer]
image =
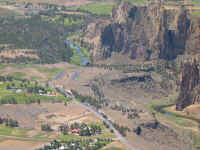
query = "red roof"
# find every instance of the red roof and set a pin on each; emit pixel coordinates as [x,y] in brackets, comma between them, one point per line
[76,131]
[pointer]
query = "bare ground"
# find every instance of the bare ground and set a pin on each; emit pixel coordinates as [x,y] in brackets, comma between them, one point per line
[19,145]
[130,95]
[115,144]
[33,115]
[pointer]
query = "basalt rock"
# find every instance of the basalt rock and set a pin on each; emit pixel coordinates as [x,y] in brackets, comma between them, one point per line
[190,86]
[146,33]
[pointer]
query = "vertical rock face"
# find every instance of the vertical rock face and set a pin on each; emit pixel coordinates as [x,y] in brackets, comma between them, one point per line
[175,38]
[135,31]
[193,40]
[146,33]
[190,89]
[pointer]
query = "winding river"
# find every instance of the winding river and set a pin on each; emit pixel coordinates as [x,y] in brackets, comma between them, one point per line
[84,59]
[161,109]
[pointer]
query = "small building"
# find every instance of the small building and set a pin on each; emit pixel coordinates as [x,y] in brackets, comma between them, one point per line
[75,130]
[18,91]
[62,148]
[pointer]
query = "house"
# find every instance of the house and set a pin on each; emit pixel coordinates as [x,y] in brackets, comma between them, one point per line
[75,130]
[18,91]
[62,148]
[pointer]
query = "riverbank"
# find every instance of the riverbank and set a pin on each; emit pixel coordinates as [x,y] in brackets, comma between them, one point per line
[80,56]
[188,124]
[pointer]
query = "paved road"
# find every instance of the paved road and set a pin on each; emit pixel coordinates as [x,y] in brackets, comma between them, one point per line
[75,75]
[59,76]
[99,115]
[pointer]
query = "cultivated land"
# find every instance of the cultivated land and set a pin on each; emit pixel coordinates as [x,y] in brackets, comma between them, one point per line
[34,72]
[32,116]
[20,145]
[120,87]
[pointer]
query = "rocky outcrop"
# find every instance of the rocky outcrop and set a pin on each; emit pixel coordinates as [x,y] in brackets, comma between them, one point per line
[193,40]
[146,33]
[190,86]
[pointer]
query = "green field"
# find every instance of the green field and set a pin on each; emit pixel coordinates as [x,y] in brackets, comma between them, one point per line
[50,72]
[99,9]
[59,19]
[24,97]
[17,132]
[18,75]
[196,14]
[137,2]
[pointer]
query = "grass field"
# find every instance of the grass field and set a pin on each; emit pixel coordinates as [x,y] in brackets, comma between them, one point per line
[99,9]
[196,14]
[18,75]
[137,2]
[17,132]
[59,20]
[24,97]
[30,71]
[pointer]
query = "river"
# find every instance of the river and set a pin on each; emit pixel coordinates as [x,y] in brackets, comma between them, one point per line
[84,59]
[161,109]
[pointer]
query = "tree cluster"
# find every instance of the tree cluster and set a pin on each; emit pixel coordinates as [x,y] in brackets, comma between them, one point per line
[46,127]
[9,122]
[97,103]
[122,129]
[87,144]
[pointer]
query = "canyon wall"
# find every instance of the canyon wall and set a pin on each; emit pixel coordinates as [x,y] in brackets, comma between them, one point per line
[144,33]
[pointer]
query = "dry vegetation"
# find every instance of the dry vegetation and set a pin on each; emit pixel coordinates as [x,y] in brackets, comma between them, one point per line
[32,116]
[18,53]
[20,145]
[115,145]
[34,72]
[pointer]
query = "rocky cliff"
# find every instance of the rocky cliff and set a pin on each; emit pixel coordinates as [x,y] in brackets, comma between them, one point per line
[145,33]
[190,86]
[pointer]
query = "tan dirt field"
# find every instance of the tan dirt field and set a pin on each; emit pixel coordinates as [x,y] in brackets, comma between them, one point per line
[115,144]
[193,110]
[17,53]
[33,115]
[19,145]
[32,71]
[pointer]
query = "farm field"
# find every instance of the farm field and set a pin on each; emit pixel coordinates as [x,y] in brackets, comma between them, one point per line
[15,91]
[114,146]
[34,72]
[29,132]
[99,8]
[20,145]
